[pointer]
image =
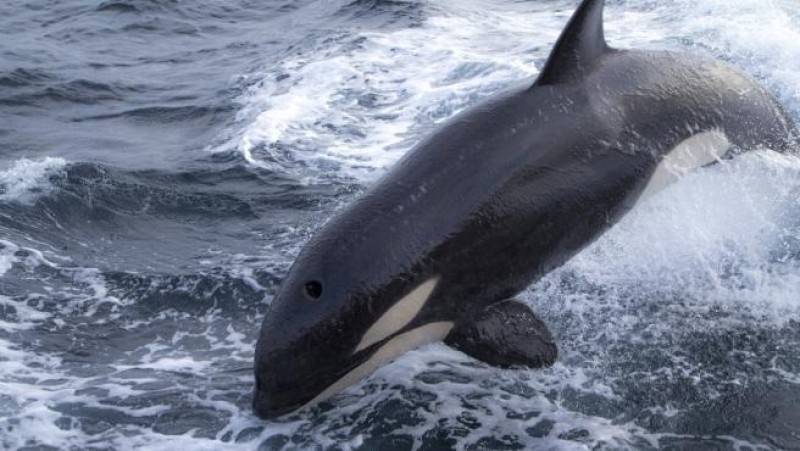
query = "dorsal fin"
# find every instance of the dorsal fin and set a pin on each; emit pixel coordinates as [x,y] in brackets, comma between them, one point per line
[579,45]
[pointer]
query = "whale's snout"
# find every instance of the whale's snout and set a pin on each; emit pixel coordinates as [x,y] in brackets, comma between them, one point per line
[270,401]
[286,376]
[294,365]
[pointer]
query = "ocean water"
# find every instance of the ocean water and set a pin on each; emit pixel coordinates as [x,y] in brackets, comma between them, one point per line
[163,161]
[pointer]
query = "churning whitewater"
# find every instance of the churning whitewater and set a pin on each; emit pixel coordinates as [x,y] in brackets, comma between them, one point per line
[164,163]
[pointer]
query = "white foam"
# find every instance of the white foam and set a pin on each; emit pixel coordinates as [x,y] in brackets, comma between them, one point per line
[7,255]
[25,316]
[723,235]
[27,179]
[170,364]
[413,78]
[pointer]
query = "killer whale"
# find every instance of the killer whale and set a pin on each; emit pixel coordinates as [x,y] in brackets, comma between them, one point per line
[497,197]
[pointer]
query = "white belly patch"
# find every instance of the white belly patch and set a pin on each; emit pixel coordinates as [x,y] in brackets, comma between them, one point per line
[392,349]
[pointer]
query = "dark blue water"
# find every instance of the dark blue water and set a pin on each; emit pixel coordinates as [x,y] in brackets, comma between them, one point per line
[162,162]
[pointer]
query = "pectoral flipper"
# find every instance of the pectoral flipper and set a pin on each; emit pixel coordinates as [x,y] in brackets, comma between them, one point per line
[506,334]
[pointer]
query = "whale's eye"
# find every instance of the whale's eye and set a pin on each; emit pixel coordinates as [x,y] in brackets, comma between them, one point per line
[313,289]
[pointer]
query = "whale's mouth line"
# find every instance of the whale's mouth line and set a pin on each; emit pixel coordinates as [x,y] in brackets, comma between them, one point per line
[271,413]
[388,351]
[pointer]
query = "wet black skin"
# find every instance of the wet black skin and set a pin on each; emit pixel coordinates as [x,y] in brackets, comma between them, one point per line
[499,196]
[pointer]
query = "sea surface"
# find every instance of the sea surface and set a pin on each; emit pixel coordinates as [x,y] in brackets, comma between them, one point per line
[162,162]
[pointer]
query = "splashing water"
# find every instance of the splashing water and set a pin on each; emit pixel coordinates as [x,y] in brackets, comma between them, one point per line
[136,266]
